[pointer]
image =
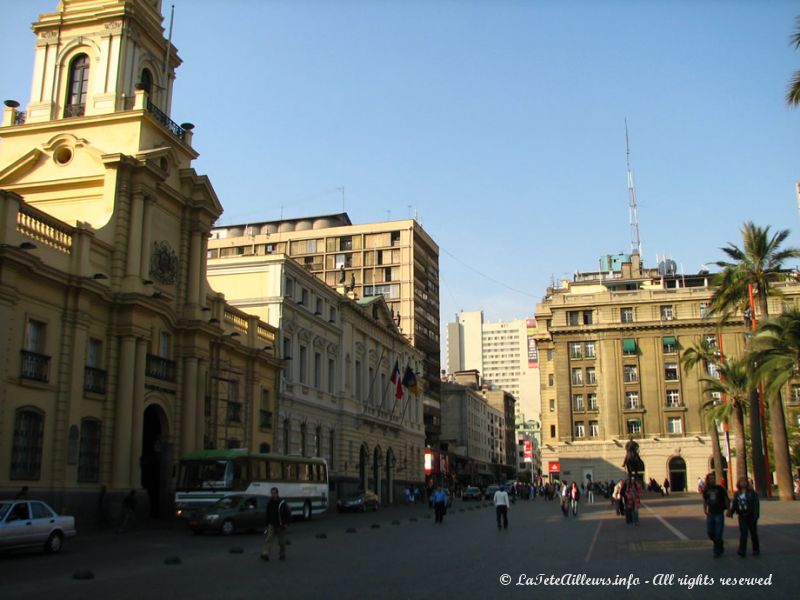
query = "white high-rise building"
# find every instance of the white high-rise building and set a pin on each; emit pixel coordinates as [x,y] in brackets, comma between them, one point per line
[504,353]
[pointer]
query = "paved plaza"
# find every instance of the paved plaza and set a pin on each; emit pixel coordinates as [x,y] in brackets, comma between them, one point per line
[401,553]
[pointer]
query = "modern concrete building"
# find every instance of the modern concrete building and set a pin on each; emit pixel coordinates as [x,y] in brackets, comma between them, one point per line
[395,259]
[115,355]
[610,344]
[504,353]
[337,397]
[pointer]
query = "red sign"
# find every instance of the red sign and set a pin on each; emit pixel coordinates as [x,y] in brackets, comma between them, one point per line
[554,467]
[428,462]
[527,451]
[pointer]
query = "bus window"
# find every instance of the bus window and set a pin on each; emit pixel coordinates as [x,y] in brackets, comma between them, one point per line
[241,476]
[258,469]
[323,470]
[289,471]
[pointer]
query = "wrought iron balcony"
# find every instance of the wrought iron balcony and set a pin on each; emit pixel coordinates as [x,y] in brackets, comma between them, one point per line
[160,368]
[74,110]
[94,380]
[35,366]
[162,118]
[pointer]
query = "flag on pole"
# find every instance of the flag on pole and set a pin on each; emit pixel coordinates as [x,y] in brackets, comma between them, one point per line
[410,381]
[397,381]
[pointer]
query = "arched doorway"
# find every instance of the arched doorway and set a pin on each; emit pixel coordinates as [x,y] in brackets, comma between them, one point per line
[390,463]
[377,460]
[677,474]
[363,457]
[155,459]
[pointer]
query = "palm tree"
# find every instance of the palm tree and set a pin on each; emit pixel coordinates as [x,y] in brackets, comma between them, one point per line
[776,350]
[732,380]
[793,93]
[756,266]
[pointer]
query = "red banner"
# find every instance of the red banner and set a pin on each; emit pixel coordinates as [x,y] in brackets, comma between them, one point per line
[554,467]
[527,451]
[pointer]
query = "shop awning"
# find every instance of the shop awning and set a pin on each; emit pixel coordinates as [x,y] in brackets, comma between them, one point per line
[629,345]
[670,341]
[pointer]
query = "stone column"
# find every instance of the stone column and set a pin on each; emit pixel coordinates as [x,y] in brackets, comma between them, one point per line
[144,254]
[190,405]
[137,413]
[121,464]
[134,258]
[200,415]
[195,259]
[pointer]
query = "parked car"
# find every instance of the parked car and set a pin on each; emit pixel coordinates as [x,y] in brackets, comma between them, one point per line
[359,502]
[237,512]
[489,494]
[31,523]
[471,493]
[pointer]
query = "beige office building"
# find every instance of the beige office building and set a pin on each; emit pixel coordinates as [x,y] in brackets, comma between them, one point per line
[115,355]
[395,259]
[610,345]
[337,399]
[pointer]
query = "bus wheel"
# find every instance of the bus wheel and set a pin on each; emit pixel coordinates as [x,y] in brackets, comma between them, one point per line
[307,511]
[227,527]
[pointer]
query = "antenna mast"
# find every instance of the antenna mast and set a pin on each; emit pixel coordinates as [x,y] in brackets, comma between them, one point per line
[633,212]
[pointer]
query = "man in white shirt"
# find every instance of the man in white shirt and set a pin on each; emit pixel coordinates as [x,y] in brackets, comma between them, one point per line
[501,506]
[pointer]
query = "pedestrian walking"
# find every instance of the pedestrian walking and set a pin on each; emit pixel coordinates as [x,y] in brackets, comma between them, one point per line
[666,485]
[128,512]
[103,512]
[632,493]
[589,490]
[746,505]
[715,503]
[617,499]
[278,518]
[439,504]
[501,506]
[565,499]
[574,496]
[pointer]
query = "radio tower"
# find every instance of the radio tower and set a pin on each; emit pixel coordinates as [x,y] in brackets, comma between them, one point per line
[636,242]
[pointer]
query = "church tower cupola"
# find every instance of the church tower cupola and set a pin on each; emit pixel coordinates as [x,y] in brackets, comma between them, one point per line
[94,56]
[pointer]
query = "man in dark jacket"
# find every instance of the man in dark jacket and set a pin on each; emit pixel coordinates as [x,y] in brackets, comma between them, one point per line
[715,503]
[278,517]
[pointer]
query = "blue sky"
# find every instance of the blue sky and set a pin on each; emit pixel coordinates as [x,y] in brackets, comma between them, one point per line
[500,123]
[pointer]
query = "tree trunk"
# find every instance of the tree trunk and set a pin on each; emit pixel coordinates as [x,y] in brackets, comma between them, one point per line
[716,452]
[758,448]
[780,449]
[739,442]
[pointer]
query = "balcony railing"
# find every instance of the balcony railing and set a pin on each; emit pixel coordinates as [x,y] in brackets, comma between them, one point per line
[35,366]
[162,118]
[160,368]
[94,380]
[74,110]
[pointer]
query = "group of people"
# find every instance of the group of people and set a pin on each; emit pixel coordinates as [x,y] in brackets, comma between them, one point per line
[717,504]
[627,499]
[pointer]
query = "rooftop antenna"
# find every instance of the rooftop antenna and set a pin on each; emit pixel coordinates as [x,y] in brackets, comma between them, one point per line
[633,212]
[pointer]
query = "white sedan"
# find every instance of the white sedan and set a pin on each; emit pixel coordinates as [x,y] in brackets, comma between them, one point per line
[31,523]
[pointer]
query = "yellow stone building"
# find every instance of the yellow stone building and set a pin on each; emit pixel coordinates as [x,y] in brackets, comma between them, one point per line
[609,350]
[115,355]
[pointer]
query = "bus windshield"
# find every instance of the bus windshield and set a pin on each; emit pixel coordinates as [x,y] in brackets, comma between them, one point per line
[205,475]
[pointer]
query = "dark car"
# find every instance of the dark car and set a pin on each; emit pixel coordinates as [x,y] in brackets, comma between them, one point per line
[489,494]
[237,512]
[32,523]
[359,502]
[471,493]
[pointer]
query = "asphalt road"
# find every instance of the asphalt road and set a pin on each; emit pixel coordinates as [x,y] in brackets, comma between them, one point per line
[400,553]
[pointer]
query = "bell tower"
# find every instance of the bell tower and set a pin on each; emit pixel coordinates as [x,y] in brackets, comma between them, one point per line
[93,55]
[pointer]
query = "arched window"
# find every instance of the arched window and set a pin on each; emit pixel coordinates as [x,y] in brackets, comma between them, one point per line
[78,86]
[26,450]
[146,81]
[89,454]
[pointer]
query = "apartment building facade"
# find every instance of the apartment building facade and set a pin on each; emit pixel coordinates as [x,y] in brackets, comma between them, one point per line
[394,259]
[610,345]
[505,354]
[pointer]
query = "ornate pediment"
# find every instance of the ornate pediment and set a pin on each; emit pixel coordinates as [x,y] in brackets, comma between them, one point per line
[164,263]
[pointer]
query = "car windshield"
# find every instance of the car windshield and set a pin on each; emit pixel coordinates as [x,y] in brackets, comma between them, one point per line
[4,507]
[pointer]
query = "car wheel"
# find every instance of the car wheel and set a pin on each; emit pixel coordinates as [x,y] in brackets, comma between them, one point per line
[307,511]
[54,542]
[227,527]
